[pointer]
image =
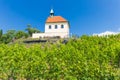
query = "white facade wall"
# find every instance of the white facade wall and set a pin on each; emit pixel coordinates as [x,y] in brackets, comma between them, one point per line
[38,35]
[42,35]
[59,29]
[62,32]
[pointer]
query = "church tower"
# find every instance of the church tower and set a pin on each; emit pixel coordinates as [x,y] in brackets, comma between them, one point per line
[51,13]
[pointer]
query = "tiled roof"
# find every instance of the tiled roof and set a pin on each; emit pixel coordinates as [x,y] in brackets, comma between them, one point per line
[55,19]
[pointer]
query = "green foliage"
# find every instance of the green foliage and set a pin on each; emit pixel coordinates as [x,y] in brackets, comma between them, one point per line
[8,37]
[21,34]
[12,35]
[86,58]
[1,33]
[31,30]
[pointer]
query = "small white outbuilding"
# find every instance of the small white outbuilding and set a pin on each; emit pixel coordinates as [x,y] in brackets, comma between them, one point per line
[55,26]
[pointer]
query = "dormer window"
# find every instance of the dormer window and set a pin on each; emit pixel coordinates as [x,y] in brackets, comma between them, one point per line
[56,26]
[49,26]
[62,26]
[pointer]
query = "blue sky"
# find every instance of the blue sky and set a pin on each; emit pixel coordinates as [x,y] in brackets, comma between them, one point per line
[85,16]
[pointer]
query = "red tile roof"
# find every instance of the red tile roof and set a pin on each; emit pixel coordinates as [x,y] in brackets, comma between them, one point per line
[55,19]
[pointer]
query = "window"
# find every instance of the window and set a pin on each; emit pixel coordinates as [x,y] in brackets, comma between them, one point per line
[49,26]
[56,27]
[62,26]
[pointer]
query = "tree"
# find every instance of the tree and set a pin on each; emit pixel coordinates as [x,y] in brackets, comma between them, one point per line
[5,38]
[31,30]
[11,33]
[21,34]
[1,33]
[8,36]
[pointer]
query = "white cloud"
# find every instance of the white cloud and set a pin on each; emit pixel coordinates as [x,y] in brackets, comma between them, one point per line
[106,33]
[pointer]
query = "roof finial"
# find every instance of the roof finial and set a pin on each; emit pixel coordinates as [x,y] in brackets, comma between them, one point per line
[51,13]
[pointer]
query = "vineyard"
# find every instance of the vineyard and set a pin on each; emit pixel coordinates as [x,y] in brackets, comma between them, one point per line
[85,58]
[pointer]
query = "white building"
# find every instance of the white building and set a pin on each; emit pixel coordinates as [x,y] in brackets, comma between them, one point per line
[55,26]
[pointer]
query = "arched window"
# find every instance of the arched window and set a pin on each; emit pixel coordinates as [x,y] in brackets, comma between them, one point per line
[56,26]
[62,26]
[50,27]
